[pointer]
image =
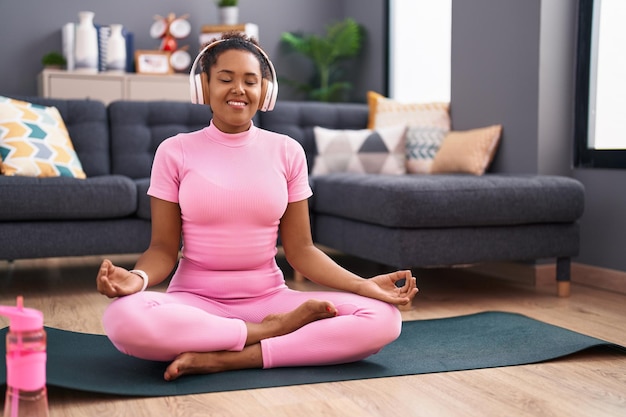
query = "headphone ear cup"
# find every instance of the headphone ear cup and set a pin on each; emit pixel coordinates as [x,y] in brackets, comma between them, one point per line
[204,88]
[268,96]
[196,90]
[264,90]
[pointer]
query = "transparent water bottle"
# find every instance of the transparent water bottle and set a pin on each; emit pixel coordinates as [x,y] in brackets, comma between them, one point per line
[26,394]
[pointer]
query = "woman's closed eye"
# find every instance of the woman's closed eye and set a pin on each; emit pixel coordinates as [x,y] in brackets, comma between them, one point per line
[230,80]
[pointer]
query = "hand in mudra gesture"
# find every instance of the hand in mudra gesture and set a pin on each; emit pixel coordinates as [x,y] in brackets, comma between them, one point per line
[115,281]
[383,287]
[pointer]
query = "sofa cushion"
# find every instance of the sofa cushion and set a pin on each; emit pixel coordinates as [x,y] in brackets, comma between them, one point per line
[34,141]
[384,111]
[137,129]
[102,197]
[470,151]
[422,144]
[416,201]
[88,126]
[143,199]
[379,151]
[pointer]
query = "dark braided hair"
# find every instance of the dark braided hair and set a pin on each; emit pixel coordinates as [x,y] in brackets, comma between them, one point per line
[238,41]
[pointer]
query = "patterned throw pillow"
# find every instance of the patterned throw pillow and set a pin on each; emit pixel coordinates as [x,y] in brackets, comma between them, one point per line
[422,143]
[428,123]
[380,151]
[468,152]
[34,141]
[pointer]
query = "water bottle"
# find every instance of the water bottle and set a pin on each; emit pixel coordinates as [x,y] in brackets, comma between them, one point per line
[26,394]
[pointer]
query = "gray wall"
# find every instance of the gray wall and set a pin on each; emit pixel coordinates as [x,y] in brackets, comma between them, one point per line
[31,28]
[512,63]
[495,77]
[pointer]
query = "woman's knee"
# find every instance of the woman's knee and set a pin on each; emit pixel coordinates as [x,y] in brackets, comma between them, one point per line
[387,323]
[126,321]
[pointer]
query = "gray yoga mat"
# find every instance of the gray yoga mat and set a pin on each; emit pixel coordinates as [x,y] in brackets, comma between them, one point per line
[89,362]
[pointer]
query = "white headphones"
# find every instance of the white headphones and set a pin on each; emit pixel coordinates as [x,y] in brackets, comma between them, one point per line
[199,83]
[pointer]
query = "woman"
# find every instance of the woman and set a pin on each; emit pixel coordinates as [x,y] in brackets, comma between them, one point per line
[228,190]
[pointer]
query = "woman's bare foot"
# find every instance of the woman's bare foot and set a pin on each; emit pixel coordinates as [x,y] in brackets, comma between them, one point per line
[212,362]
[285,323]
[251,356]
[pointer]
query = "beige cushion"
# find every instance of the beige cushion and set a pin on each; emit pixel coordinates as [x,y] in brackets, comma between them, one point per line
[34,141]
[427,125]
[363,151]
[469,151]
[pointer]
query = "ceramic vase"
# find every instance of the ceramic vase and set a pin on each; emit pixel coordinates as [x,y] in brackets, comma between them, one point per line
[86,44]
[229,15]
[116,50]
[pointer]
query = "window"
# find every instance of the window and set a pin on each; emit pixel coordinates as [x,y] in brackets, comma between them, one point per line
[419,50]
[601,84]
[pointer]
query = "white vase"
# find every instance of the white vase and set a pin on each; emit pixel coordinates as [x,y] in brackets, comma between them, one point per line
[86,44]
[229,15]
[116,50]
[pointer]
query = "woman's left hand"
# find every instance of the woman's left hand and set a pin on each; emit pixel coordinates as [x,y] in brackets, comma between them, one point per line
[383,287]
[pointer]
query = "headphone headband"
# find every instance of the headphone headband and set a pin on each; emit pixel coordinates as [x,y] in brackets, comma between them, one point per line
[199,86]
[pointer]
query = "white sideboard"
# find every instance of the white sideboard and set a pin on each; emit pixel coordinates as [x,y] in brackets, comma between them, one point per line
[108,87]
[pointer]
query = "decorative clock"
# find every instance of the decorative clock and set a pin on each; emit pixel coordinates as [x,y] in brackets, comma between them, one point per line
[169,29]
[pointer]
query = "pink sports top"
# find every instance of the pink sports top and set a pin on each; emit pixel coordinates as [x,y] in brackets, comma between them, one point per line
[232,190]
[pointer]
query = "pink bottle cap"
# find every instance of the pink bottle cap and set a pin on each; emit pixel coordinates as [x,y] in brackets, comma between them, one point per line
[22,319]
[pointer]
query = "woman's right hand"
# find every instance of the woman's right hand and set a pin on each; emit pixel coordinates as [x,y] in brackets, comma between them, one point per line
[114,281]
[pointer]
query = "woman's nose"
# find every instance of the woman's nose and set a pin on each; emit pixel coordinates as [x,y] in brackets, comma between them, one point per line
[237,88]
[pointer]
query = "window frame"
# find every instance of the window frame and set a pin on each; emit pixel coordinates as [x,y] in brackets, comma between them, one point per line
[585,156]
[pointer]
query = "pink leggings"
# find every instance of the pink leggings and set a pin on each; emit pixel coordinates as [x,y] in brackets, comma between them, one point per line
[159,326]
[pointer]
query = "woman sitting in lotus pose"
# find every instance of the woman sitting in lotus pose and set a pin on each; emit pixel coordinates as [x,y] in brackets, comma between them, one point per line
[228,190]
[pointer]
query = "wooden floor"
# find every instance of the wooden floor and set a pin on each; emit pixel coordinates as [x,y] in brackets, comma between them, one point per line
[587,384]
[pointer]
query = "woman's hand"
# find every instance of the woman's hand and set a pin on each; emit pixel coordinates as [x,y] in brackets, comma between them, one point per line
[383,287]
[114,281]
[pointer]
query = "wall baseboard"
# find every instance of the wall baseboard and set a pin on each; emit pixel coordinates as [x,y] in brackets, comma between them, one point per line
[545,274]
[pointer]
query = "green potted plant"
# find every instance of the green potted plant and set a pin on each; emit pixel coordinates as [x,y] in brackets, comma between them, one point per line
[228,11]
[328,53]
[53,59]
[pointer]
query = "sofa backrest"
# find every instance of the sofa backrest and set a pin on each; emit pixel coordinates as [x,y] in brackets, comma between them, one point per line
[298,118]
[138,127]
[87,125]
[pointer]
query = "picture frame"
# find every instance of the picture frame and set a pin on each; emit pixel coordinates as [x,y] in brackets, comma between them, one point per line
[153,62]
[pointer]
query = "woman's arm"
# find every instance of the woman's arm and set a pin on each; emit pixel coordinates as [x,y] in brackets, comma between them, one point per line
[157,261]
[162,254]
[306,258]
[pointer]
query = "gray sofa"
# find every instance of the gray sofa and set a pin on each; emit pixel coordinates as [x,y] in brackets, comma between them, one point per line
[404,221]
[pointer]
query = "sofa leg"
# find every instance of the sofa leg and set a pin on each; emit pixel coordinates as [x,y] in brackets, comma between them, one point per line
[297,276]
[10,269]
[563,276]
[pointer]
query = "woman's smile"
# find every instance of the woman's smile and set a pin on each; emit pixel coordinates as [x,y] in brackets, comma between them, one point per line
[237,104]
